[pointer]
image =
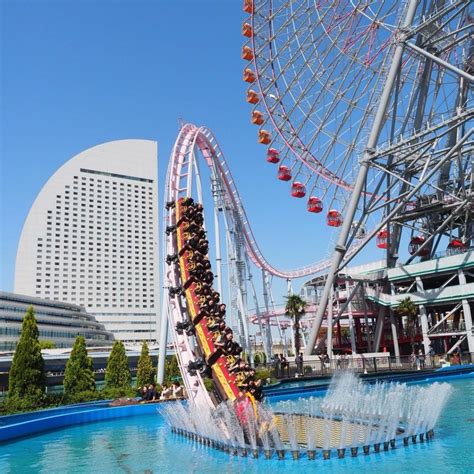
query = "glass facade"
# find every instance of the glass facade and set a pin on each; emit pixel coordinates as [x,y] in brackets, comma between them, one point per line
[58,322]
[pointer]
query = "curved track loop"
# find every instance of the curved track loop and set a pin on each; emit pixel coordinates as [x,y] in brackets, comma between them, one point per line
[190,137]
[179,185]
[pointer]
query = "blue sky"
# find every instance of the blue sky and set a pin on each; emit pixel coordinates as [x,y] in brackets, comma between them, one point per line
[76,73]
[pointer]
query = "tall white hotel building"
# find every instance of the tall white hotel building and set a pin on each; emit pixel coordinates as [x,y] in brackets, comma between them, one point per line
[91,238]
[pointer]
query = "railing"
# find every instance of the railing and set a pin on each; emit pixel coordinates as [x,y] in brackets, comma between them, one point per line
[368,365]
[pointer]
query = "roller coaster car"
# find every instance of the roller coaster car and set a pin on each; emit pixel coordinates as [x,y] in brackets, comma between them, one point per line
[247,53]
[171,259]
[314,205]
[170,229]
[202,309]
[273,155]
[249,76]
[198,365]
[247,30]
[175,291]
[252,97]
[185,326]
[298,189]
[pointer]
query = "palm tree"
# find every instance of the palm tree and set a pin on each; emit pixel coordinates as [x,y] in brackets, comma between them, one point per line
[408,308]
[295,308]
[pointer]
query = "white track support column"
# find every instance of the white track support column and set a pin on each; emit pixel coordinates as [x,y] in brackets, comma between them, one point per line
[423,318]
[379,328]
[329,326]
[268,327]
[394,327]
[163,338]
[351,319]
[467,315]
[379,120]
[217,237]
[366,319]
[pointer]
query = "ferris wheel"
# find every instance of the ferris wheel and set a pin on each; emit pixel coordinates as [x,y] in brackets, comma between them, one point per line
[366,107]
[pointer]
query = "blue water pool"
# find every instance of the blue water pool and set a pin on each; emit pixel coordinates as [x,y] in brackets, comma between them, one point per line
[143,444]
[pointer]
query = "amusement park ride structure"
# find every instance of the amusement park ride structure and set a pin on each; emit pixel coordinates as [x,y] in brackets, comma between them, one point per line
[369,105]
[367,109]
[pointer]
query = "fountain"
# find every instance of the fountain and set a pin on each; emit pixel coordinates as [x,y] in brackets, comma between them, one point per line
[351,415]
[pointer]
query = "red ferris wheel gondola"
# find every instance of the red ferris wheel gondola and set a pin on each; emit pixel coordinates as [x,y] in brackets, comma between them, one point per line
[298,189]
[273,155]
[248,6]
[252,97]
[334,218]
[382,239]
[415,243]
[247,30]
[249,76]
[455,246]
[247,53]
[314,205]
[264,137]
[257,117]
[284,173]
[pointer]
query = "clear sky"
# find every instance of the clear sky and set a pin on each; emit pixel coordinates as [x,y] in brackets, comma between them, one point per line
[75,73]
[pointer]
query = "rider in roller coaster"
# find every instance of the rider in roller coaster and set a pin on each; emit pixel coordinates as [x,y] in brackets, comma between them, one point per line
[200,273]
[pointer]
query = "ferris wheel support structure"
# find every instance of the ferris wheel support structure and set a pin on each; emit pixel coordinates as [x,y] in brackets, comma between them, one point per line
[417,144]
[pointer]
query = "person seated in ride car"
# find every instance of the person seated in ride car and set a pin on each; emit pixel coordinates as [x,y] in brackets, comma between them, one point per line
[217,326]
[239,366]
[227,343]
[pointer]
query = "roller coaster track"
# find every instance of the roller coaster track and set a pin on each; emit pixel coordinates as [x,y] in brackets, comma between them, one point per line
[190,137]
[182,168]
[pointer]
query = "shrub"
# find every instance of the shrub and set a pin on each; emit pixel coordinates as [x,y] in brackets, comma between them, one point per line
[172,371]
[79,373]
[47,344]
[146,372]
[117,372]
[112,393]
[260,358]
[85,396]
[265,375]
[209,384]
[27,379]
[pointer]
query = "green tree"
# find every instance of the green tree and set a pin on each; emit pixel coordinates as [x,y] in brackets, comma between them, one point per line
[408,308]
[79,374]
[172,371]
[47,344]
[295,308]
[117,372]
[146,371]
[27,379]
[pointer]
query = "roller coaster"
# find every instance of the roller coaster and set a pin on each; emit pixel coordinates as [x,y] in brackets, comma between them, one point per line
[197,351]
